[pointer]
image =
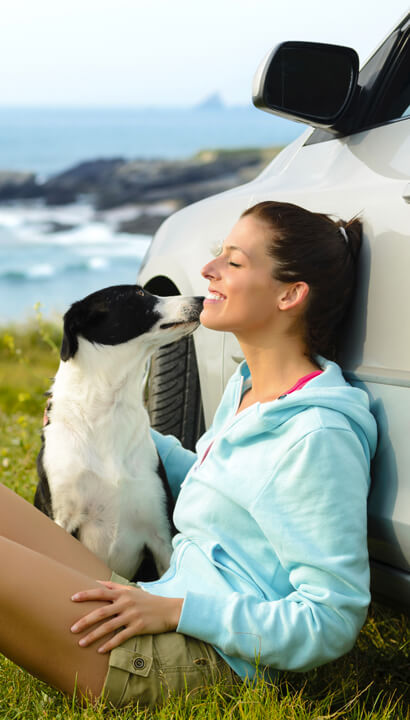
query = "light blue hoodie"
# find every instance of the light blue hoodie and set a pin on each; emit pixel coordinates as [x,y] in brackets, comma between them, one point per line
[271,556]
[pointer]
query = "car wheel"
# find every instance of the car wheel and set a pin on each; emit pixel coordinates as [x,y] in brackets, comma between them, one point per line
[173,392]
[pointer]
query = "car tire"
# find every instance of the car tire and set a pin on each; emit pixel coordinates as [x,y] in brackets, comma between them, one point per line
[174,394]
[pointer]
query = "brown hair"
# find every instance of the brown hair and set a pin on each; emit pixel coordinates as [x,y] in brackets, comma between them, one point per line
[311,247]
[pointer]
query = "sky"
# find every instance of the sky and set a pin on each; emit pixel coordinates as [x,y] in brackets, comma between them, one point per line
[165,52]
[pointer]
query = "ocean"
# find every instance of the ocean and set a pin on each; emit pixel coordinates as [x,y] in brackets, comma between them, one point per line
[41,261]
[39,265]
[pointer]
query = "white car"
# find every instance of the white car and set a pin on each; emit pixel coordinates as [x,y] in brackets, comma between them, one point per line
[354,159]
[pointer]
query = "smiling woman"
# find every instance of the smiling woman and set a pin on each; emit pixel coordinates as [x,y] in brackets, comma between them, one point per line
[283,274]
[257,580]
[243,284]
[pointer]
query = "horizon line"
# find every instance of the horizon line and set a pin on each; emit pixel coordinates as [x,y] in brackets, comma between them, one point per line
[122,106]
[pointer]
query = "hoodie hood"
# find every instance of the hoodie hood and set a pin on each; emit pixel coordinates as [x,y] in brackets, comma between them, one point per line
[328,391]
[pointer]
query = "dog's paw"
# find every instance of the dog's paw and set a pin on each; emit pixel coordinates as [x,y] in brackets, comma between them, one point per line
[69,515]
[68,524]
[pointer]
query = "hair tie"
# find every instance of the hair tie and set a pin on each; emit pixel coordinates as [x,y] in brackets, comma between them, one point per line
[344,233]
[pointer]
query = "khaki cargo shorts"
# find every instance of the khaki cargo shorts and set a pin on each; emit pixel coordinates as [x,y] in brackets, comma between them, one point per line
[149,668]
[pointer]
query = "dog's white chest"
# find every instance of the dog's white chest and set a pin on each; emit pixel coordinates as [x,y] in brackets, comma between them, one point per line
[105,488]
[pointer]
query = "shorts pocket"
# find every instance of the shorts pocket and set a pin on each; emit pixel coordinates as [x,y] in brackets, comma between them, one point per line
[131,675]
[130,661]
[148,668]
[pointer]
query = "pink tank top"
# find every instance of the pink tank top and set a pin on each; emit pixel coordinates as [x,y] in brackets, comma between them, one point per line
[302,381]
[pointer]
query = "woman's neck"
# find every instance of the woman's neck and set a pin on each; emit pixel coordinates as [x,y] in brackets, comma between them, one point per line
[277,368]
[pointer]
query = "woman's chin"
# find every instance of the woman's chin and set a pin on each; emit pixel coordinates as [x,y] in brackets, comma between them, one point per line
[210,322]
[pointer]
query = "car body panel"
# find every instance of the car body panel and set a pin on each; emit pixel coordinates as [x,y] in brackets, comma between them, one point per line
[366,173]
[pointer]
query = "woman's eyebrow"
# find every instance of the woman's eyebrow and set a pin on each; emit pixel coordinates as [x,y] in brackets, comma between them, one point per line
[236,247]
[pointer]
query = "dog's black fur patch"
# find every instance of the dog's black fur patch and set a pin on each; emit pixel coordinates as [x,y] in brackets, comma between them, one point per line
[42,498]
[147,570]
[110,316]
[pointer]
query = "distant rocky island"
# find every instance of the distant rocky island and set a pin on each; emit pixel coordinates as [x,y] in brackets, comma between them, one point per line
[147,184]
[212,102]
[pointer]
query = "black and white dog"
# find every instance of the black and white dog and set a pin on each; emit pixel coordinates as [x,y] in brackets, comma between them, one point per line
[98,466]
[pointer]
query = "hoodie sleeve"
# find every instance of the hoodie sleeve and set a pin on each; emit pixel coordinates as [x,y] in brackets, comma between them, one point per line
[176,459]
[312,513]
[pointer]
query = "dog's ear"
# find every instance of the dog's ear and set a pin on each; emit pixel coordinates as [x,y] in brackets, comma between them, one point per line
[69,345]
[81,319]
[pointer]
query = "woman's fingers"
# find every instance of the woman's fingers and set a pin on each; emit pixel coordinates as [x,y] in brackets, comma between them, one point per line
[116,640]
[100,593]
[93,618]
[126,609]
[98,615]
[108,591]
[101,631]
[116,613]
[112,585]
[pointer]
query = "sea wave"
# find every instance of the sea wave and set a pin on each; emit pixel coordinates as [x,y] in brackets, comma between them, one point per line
[58,255]
[44,271]
[35,212]
[92,233]
[83,238]
[38,272]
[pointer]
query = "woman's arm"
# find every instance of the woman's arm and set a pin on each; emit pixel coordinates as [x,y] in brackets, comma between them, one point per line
[175,458]
[313,514]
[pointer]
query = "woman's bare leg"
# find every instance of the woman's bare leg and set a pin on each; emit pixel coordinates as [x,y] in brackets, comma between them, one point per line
[24,524]
[37,613]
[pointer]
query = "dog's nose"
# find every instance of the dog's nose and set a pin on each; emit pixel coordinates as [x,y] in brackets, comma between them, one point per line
[199,303]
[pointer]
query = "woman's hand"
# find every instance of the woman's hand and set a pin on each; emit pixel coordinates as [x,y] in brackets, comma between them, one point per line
[133,610]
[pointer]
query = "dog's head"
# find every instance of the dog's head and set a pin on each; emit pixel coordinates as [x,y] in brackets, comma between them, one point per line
[118,314]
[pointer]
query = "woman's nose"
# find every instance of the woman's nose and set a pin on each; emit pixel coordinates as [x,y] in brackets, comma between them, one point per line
[209,270]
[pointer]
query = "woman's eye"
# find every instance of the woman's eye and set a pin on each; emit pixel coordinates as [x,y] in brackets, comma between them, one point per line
[234,264]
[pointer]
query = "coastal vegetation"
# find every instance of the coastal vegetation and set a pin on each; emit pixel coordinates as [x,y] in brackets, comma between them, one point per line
[370,682]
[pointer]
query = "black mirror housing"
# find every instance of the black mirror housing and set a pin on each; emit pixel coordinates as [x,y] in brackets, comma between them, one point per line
[313,83]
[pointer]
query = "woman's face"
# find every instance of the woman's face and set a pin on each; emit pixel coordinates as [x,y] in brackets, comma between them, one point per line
[242,294]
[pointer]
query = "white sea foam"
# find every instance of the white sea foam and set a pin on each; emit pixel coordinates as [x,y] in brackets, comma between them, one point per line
[39,262]
[36,213]
[9,219]
[96,233]
[98,263]
[41,271]
[117,248]
[115,215]
[93,232]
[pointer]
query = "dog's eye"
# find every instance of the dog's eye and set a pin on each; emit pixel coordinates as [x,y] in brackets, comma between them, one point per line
[140,292]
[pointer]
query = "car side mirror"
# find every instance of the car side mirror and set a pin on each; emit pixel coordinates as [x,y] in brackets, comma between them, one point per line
[313,83]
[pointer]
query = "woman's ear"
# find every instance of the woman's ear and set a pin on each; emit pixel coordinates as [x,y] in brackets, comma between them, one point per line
[294,294]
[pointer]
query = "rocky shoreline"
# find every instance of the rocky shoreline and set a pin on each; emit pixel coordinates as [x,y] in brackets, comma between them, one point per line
[145,184]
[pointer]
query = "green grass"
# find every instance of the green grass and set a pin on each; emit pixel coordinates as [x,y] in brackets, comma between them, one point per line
[265,154]
[370,682]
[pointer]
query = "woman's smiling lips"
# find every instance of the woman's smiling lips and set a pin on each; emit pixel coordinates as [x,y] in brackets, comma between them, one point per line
[214,297]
